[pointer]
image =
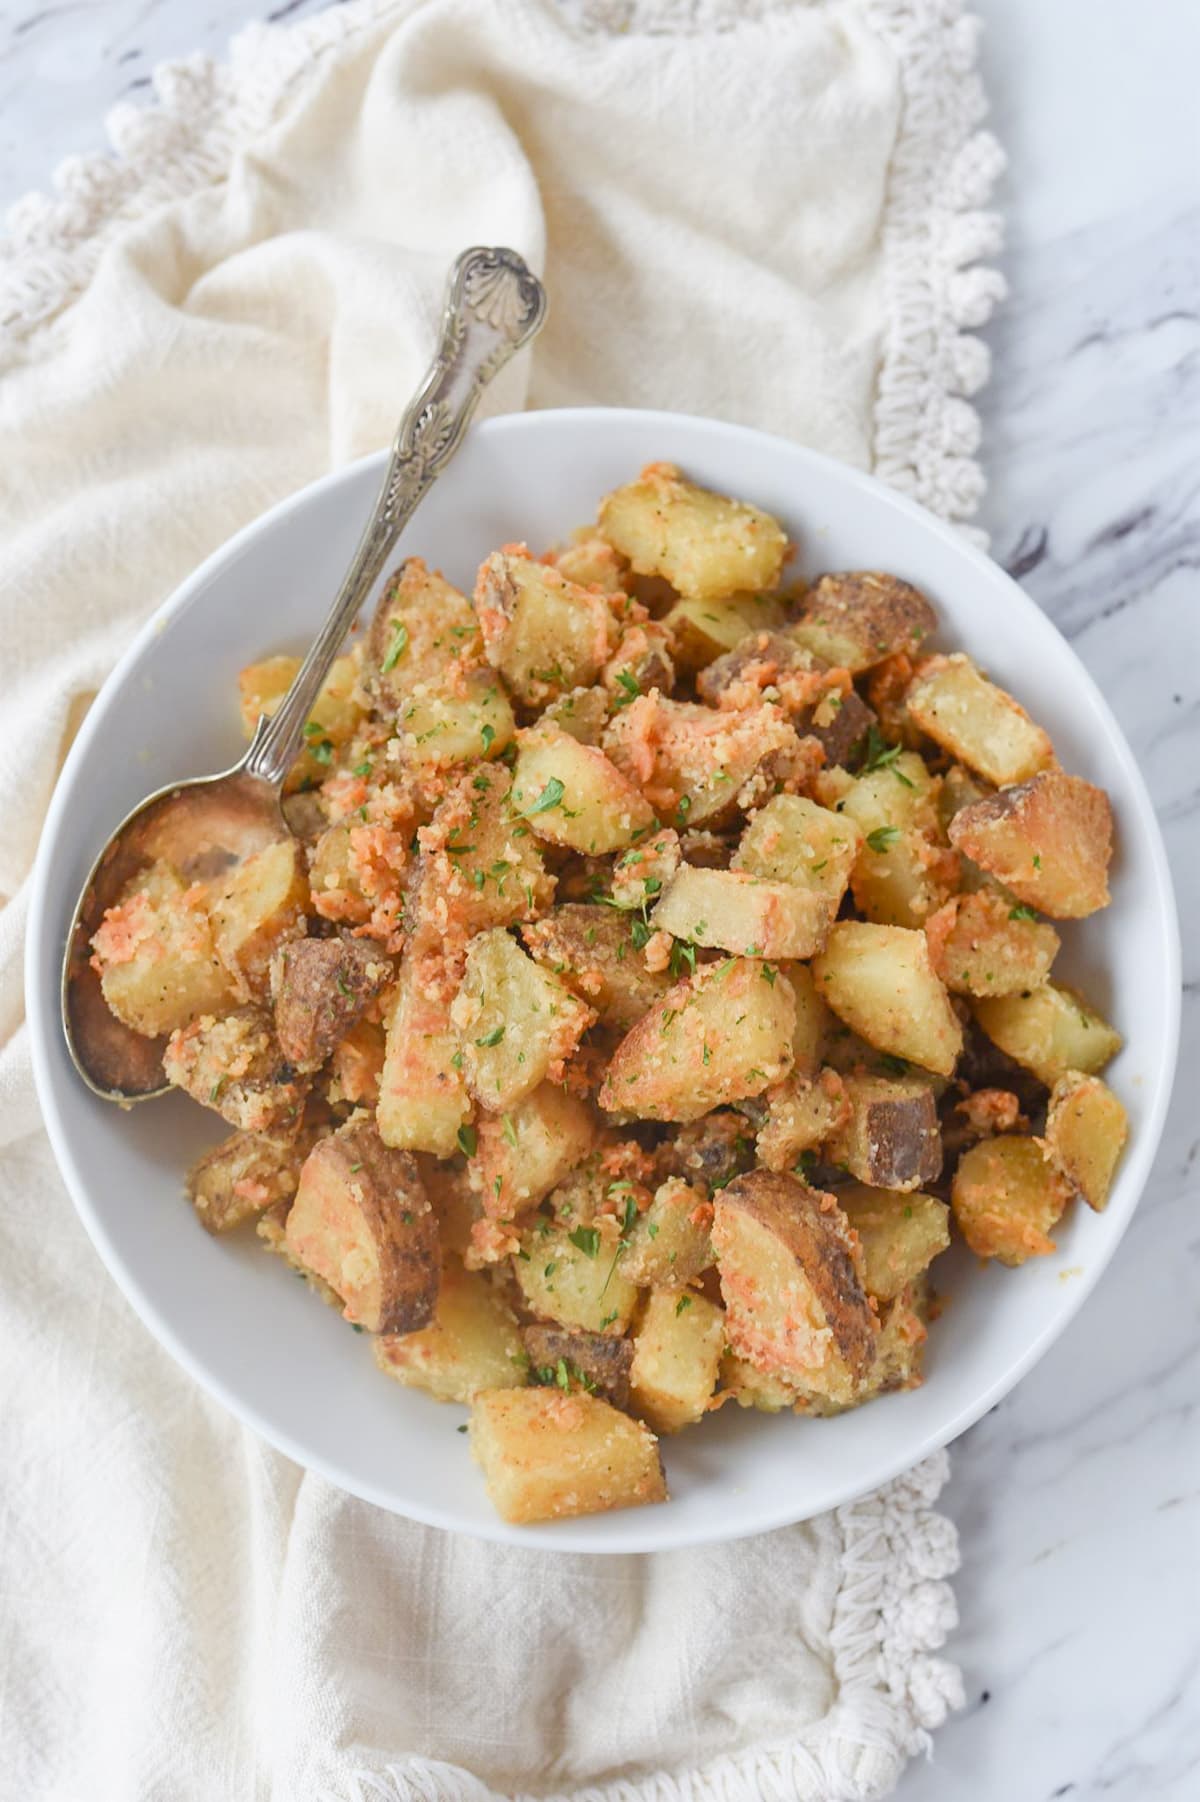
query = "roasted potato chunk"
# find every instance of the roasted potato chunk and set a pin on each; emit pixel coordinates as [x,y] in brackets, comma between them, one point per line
[697,766]
[1007,1197]
[320,988]
[591,562]
[646,868]
[811,1024]
[575,1277]
[234,1064]
[900,1232]
[676,1356]
[701,631]
[545,634]
[705,546]
[423,1101]
[261,906]
[880,981]
[570,1359]
[1086,1130]
[593,949]
[1049,841]
[793,840]
[854,621]
[803,1112]
[156,955]
[245,1174]
[362,1222]
[983,944]
[670,1245]
[336,715]
[890,1135]
[572,795]
[902,872]
[733,910]
[1050,1030]
[525,1152]
[546,1455]
[479,866]
[516,1022]
[976,722]
[708,1152]
[422,628]
[717,1036]
[464,718]
[472,1343]
[791,1280]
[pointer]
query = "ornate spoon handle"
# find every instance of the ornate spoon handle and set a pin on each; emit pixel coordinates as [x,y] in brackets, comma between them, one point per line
[494,305]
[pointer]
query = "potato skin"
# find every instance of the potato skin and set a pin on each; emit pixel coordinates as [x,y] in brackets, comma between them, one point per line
[830,1346]
[320,988]
[1048,840]
[592,949]
[233,1064]
[856,619]
[891,1136]
[245,1174]
[362,1221]
[602,1359]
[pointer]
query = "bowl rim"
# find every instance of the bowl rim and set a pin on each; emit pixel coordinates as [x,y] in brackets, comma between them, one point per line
[647,1535]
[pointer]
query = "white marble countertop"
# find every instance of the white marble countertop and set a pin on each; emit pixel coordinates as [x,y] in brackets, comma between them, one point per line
[1078,1498]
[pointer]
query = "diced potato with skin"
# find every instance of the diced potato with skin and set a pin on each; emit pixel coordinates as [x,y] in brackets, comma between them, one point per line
[320,988]
[472,1343]
[526,1151]
[696,765]
[900,1232]
[591,562]
[646,868]
[839,722]
[1086,1130]
[421,628]
[981,945]
[899,1351]
[546,1455]
[791,1279]
[1051,1030]
[709,1152]
[890,1136]
[593,950]
[423,1098]
[670,1245]
[572,795]
[701,631]
[516,1022]
[854,621]
[812,1021]
[761,662]
[582,714]
[333,875]
[733,910]
[575,1277]
[1049,841]
[245,1174]
[463,720]
[595,1362]
[1007,1197]
[479,866]
[260,906]
[705,546]
[156,956]
[271,1229]
[336,715]
[234,1064]
[362,1222]
[676,1354]
[804,1112]
[545,634]
[447,1183]
[901,872]
[642,660]
[977,722]
[959,789]
[791,839]
[880,981]
[356,1066]
[721,1034]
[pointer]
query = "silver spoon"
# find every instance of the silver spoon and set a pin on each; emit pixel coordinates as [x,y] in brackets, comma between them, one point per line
[494,305]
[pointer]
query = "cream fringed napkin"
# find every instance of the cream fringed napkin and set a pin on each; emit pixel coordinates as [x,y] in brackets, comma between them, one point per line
[768,212]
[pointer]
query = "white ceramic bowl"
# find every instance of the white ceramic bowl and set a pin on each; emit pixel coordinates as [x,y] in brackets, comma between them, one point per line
[258,1341]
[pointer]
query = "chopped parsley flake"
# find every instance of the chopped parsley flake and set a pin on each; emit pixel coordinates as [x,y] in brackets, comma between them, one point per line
[397,647]
[468,1140]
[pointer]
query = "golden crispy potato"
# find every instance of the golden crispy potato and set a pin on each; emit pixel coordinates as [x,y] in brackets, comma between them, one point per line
[362,1222]
[697,766]
[985,944]
[1086,1130]
[422,628]
[719,1035]
[670,1245]
[595,950]
[526,1151]
[902,871]
[480,866]
[572,795]
[591,562]
[900,1232]
[803,1112]
[336,716]
[733,910]
[464,718]
[423,1101]
[234,1064]
[791,1279]
[880,981]
[320,988]
[472,1343]
[575,1277]
[812,1021]
[976,721]
[1049,1030]
[643,871]
[1049,841]
[156,955]
[676,1354]
[854,621]
[245,1174]
[516,1022]
[545,634]
[1007,1197]
[261,905]
[889,1134]
[705,546]
[793,840]
[701,631]
[547,1455]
